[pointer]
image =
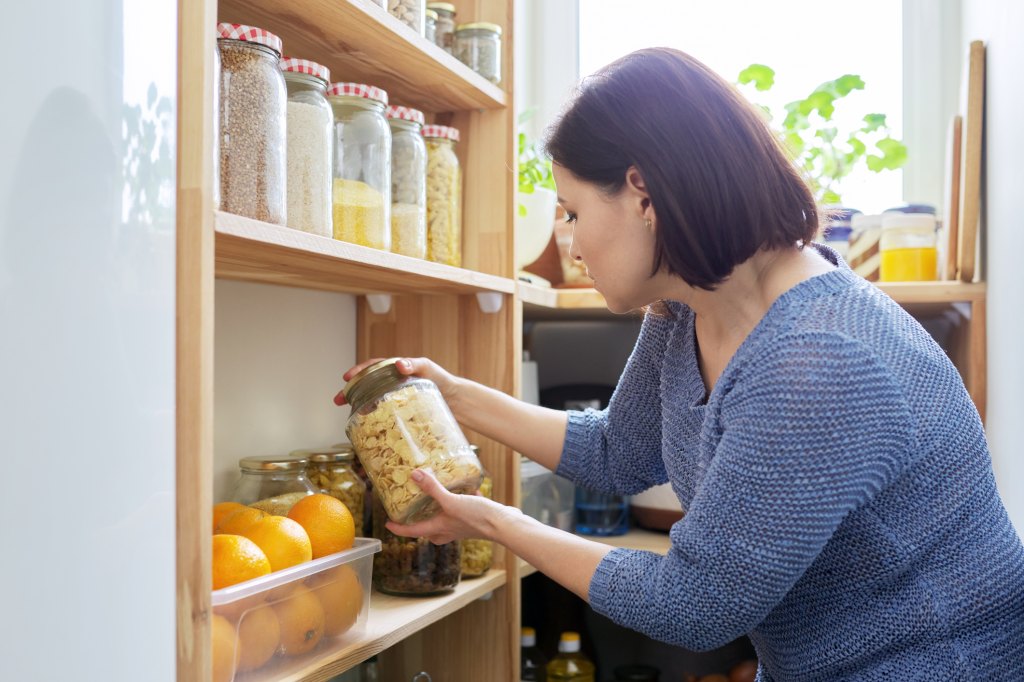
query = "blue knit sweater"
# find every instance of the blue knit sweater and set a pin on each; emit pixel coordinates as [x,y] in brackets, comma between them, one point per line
[841,505]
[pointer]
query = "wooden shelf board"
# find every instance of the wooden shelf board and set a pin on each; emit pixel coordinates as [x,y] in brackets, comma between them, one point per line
[255,251]
[391,620]
[361,42]
[636,538]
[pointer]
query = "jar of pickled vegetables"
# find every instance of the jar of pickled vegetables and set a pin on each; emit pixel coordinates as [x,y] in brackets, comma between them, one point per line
[330,470]
[444,196]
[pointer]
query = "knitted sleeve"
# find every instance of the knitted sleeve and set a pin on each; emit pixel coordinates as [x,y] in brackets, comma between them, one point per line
[811,431]
[618,449]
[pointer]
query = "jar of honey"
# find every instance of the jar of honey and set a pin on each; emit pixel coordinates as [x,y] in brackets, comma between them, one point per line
[908,248]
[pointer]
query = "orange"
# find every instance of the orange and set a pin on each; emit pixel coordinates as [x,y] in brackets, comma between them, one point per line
[341,595]
[237,521]
[302,622]
[327,521]
[283,541]
[222,510]
[236,559]
[225,654]
[259,633]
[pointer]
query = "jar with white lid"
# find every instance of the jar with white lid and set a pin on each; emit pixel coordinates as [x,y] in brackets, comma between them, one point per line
[478,46]
[908,247]
[408,182]
[444,34]
[361,193]
[430,25]
[310,128]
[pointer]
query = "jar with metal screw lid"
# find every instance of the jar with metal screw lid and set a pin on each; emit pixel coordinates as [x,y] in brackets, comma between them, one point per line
[272,484]
[478,554]
[310,127]
[478,46]
[252,124]
[408,182]
[445,33]
[331,471]
[444,196]
[430,25]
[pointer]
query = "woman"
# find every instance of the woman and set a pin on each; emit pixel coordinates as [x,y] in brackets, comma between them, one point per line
[841,505]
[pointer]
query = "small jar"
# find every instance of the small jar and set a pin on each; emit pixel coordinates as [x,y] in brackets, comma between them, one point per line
[408,182]
[399,424]
[444,37]
[362,165]
[357,466]
[478,46]
[430,26]
[837,232]
[444,196]
[272,484]
[478,554]
[412,566]
[863,255]
[410,12]
[331,472]
[908,247]
[310,127]
[252,124]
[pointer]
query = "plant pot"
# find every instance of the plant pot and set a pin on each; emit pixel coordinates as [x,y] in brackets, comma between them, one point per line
[533,230]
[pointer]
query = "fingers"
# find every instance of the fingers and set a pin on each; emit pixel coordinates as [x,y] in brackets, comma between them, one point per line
[405,366]
[359,368]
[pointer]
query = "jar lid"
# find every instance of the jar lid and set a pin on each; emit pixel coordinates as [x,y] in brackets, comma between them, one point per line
[443,132]
[443,6]
[338,453]
[384,368]
[862,221]
[482,25]
[358,90]
[912,208]
[406,114]
[273,463]
[914,221]
[293,65]
[431,14]
[249,34]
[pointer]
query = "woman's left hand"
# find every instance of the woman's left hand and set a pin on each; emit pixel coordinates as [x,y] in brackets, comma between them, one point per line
[461,516]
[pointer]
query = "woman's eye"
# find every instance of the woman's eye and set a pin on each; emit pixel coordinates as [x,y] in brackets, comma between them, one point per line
[570,217]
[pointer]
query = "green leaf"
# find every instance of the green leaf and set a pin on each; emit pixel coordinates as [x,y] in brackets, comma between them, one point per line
[763,77]
[830,197]
[894,155]
[819,101]
[858,147]
[844,85]
[873,122]
[522,209]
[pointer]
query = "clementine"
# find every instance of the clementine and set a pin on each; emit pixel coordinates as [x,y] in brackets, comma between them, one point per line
[237,521]
[341,595]
[222,510]
[259,634]
[236,559]
[225,653]
[327,521]
[284,541]
[301,617]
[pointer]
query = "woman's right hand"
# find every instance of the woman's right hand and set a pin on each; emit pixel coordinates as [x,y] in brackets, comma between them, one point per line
[421,367]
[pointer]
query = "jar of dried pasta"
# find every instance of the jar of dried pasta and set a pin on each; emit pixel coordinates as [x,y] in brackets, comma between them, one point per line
[444,196]
[272,484]
[408,182]
[362,165]
[478,554]
[310,127]
[399,424]
[412,566]
[330,470]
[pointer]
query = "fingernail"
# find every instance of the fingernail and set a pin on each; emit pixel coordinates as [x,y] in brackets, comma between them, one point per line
[418,475]
[405,364]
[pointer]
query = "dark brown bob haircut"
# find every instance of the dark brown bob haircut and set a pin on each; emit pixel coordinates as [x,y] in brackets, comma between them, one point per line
[721,184]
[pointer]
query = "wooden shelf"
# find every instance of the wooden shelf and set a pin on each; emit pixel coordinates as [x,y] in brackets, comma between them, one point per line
[360,42]
[637,538]
[255,251]
[391,620]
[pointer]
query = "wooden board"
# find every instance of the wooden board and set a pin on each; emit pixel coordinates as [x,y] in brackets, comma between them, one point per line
[973,139]
[952,241]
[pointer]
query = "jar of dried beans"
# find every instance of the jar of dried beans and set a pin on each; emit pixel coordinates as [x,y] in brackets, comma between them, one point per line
[362,165]
[412,566]
[444,196]
[252,124]
[408,182]
[310,126]
[399,424]
[411,12]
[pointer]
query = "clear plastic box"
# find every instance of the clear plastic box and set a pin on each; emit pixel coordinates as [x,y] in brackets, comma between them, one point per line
[547,497]
[267,628]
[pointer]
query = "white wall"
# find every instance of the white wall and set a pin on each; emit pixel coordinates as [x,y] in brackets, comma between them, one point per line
[1000,23]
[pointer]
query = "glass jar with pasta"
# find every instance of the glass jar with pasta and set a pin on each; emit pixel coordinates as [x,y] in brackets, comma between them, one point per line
[444,196]
[478,554]
[330,470]
[399,424]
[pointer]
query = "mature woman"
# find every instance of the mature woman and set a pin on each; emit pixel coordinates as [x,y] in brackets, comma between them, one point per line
[841,505]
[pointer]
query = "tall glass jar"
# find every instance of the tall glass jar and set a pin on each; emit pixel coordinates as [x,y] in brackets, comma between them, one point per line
[478,46]
[909,248]
[362,165]
[444,196]
[478,554]
[331,472]
[445,33]
[272,484]
[399,424]
[216,126]
[411,12]
[310,128]
[408,182]
[412,566]
[252,124]
[430,26]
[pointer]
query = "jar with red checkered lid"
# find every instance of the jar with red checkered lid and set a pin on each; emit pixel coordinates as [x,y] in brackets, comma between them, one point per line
[444,196]
[310,129]
[252,124]
[362,165]
[408,182]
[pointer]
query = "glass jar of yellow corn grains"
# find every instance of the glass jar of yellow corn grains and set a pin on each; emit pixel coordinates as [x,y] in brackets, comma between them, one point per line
[362,165]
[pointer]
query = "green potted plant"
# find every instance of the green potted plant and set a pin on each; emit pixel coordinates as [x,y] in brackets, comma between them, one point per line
[536,200]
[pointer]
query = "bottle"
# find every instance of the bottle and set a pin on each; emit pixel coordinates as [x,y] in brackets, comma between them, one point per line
[570,665]
[532,662]
[600,513]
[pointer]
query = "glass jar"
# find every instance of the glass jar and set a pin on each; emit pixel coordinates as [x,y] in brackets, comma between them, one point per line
[310,127]
[863,255]
[478,554]
[216,127]
[410,12]
[357,466]
[362,165]
[412,566]
[408,182]
[908,247]
[252,124]
[444,196]
[401,423]
[478,46]
[430,25]
[272,484]
[838,227]
[599,513]
[444,36]
[331,472]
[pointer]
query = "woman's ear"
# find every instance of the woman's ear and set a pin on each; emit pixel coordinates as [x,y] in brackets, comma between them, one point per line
[636,186]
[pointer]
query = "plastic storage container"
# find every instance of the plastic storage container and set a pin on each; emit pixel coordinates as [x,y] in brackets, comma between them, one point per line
[413,566]
[864,257]
[546,496]
[430,26]
[444,35]
[408,182]
[278,622]
[331,471]
[362,165]
[410,12]
[908,248]
[272,484]
[401,423]
[310,127]
[570,665]
[252,124]
[478,46]
[478,554]
[444,196]
[600,513]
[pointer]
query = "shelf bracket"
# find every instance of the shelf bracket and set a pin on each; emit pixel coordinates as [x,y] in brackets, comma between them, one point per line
[490,302]
[380,304]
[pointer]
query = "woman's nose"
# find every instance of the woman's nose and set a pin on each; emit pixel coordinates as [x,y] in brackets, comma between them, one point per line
[574,248]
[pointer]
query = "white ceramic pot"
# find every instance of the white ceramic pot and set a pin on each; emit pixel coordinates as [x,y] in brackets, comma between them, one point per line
[533,230]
